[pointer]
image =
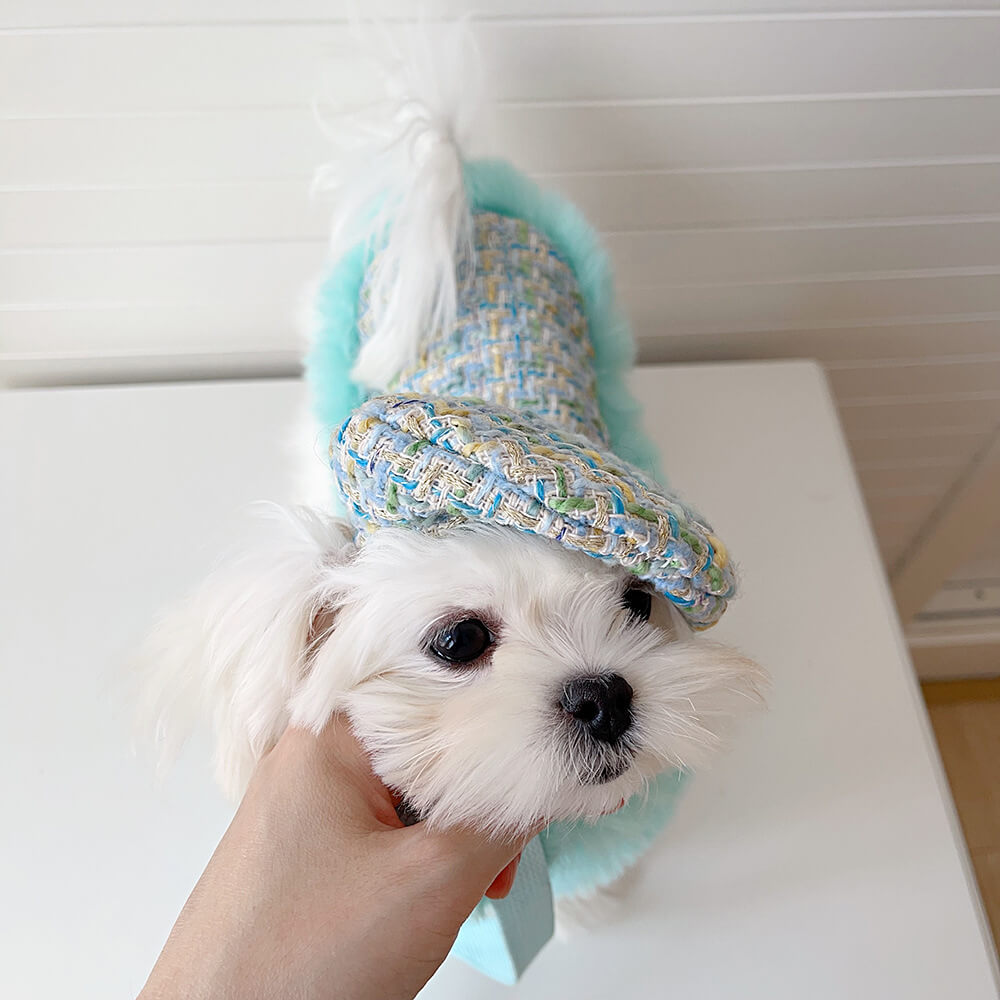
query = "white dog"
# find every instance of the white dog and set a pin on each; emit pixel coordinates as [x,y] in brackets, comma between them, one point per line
[495,677]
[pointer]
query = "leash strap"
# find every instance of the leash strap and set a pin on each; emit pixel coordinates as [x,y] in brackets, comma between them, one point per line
[502,936]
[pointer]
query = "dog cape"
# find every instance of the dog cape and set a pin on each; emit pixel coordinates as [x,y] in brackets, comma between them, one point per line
[518,415]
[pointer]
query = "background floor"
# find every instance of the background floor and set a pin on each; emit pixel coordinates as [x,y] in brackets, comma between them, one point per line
[966,720]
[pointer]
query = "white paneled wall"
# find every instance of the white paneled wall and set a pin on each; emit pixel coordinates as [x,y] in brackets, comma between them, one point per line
[773,180]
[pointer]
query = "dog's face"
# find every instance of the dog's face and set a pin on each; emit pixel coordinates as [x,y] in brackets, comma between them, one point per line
[498,678]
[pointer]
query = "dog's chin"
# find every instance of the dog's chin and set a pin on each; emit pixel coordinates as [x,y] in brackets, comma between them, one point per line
[602,768]
[613,788]
[608,772]
[603,793]
[609,779]
[600,764]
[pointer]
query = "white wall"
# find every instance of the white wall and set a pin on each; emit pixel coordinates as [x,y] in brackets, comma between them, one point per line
[801,182]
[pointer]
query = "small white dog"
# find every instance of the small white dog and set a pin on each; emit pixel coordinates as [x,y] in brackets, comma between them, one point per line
[495,677]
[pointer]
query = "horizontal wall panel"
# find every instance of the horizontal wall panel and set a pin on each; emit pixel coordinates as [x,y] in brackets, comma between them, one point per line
[563,139]
[985,565]
[872,341]
[909,378]
[907,511]
[274,271]
[775,254]
[220,212]
[58,13]
[725,308]
[277,65]
[868,418]
[639,259]
[984,570]
[944,443]
[253,145]
[281,209]
[230,145]
[244,324]
[920,479]
[658,200]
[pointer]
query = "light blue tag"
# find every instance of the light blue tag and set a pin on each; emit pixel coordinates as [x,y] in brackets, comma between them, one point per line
[502,936]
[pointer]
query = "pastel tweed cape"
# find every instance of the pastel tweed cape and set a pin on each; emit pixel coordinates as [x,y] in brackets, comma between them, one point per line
[518,415]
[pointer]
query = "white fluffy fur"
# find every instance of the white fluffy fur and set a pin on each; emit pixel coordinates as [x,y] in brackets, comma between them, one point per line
[487,746]
[235,650]
[399,159]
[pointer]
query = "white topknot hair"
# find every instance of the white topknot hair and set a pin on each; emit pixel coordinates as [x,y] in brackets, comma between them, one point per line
[397,183]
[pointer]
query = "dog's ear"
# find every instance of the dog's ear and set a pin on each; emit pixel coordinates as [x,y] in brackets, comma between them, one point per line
[238,648]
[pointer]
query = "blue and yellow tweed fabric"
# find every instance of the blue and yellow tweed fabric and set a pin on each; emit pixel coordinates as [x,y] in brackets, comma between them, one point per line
[498,420]
[521,337]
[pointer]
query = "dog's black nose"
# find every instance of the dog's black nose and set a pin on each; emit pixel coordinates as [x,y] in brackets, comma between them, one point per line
[602,704]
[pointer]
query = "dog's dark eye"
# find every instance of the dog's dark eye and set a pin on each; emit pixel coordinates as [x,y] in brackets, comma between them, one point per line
[462,642]
[638,603]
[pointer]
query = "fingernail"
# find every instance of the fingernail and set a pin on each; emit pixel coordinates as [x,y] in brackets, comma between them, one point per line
[504,882]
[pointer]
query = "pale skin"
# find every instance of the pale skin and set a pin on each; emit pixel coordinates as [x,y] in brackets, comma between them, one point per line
[318,891]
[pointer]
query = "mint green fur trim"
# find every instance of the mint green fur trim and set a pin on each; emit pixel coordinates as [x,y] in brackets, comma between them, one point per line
[584,855]
[494,185]
[335,347]
[497,186]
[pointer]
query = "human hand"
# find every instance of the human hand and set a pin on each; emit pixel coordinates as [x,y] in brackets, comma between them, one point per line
[317,890]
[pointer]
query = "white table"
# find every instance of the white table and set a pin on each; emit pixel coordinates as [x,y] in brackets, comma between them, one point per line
[822,859]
